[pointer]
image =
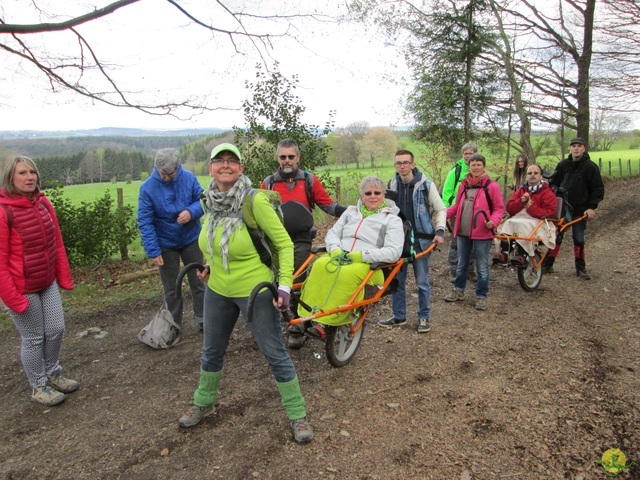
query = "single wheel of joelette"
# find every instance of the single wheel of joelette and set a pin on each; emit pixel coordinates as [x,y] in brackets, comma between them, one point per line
[342,344]
[528,278]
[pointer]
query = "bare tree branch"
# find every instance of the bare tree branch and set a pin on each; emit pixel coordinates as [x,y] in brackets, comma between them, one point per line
[74,22]
[70,71]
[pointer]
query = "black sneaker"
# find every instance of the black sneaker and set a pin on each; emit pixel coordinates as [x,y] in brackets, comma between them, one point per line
[392,322]
[423,325]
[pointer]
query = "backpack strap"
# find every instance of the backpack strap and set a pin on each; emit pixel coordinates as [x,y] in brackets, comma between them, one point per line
[457,178]
[257,236]
[308,185]
[485,187]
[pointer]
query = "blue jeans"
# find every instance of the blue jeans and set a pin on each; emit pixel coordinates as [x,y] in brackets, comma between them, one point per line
[220,316]
[399,299]
[169,274]
[481,249]
[453,258]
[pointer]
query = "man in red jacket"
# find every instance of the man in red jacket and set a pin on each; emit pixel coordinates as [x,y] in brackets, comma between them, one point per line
[300,192]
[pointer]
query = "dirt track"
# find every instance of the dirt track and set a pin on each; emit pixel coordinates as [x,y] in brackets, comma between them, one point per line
[537,386]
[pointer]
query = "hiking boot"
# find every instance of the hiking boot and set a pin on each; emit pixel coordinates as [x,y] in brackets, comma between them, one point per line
[500,259]
[481,304]
[296,341]
[194,416]
[518,261]
[296,336]
[581,270]
[392,322]
[61,383]
[582,273]
[47,395]
[547,265]
[302,431]
[454,296]
[423,325]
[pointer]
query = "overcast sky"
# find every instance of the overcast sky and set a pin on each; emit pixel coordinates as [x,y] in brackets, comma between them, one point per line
[341,67]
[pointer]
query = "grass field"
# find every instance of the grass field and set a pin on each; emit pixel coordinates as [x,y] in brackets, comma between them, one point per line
[350,175]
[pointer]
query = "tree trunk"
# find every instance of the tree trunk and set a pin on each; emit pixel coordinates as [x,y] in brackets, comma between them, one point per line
[584,64]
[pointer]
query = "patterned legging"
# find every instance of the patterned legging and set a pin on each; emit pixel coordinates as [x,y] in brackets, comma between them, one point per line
[41,327]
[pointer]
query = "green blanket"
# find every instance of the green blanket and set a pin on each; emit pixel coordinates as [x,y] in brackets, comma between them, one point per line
[331,284]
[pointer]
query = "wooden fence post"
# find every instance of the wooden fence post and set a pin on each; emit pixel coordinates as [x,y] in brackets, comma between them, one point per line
[338,189]
[620,166]
[609,167]
[629,167]
[124,251]
[600,163]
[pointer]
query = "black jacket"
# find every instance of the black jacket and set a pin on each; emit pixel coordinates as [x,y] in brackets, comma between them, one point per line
[582,180]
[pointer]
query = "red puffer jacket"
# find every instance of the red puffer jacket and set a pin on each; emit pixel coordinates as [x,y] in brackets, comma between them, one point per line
[544,202]
[32,253]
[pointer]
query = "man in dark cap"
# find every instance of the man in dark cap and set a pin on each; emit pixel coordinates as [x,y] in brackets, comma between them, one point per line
[581,180]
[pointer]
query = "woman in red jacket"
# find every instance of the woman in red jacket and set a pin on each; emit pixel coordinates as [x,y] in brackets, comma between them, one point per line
[531,202]
[33,263]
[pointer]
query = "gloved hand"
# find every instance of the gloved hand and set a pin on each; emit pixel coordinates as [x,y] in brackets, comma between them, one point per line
[356,257]
[336,253]
[284,300]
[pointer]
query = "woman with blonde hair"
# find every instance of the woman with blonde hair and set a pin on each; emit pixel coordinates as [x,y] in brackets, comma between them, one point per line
[33,264]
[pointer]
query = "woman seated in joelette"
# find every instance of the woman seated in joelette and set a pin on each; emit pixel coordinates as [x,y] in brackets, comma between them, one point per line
[531,202]
[369,232]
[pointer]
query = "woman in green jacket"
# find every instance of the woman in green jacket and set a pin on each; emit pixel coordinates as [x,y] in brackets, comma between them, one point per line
[234,269]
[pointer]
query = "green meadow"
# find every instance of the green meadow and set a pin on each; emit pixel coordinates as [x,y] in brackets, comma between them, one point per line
[350,175]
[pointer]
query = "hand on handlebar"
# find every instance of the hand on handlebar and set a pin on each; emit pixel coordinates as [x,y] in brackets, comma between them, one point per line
[591,213]
[203,274]
[284,300]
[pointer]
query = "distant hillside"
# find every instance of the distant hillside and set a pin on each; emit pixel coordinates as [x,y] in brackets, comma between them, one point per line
[49,144]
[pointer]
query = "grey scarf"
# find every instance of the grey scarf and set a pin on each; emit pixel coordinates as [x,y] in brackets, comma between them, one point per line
[225,209]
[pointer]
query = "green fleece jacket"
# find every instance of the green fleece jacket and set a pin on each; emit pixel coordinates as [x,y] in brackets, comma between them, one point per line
[451,183]
[246,269]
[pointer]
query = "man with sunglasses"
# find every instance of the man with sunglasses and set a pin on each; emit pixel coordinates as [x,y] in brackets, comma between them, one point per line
[300,191]
[417,197]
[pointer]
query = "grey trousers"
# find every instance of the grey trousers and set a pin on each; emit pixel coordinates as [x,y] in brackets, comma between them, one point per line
[169,274]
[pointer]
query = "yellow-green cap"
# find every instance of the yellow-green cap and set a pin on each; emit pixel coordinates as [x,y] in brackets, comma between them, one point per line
[226,147]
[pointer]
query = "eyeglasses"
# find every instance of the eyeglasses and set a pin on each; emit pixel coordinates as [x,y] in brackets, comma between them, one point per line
[402,164]
[229,161]
[285,157]
[368,194]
